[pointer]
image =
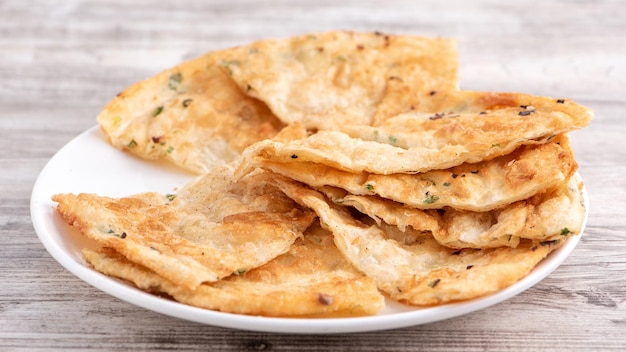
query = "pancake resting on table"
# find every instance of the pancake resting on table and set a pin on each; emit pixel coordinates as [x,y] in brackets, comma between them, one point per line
[334,170]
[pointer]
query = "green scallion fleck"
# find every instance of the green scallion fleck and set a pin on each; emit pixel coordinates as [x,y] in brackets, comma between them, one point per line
[430,199]
[228,65]
[175,80]
[157,111]
[565,231]
[132,144]
[170,197]
[170,149]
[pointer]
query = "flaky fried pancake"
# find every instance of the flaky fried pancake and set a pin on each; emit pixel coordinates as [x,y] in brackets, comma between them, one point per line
[448,104]
[478,187]
[311,279]
[422,272]
[418,142]
[327,80]
[425,192]
[554,214]
[213,228]
[193,115]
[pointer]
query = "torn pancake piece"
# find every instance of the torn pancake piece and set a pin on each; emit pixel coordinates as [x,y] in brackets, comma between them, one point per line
[213,228]
[483,186]
[312,279]
[424,272]
[420,142]
[331,79]
[192,115]
[555,214]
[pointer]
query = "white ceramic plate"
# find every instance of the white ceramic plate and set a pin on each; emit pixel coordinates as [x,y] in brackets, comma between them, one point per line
[89,164]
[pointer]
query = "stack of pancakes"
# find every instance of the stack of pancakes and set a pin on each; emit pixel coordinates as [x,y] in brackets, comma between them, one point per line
[334,169]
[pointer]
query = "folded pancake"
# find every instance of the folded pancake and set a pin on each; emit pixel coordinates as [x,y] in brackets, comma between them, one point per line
[550,215]
[478,187]
[311,279]
[331,79]
[212,228]
[422,272]
[485,126]
[193,115]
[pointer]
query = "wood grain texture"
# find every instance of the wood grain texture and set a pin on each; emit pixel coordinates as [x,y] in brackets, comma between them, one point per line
[61,61]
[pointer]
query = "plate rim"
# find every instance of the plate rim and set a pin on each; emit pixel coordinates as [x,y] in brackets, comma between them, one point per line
[40,207]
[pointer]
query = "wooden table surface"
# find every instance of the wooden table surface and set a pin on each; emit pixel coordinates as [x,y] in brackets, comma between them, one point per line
[61,61]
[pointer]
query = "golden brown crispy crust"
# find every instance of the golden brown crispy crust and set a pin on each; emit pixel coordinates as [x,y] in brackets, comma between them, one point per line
[326,80]
[422,272]
[516,176]
[471,273]
[192,115]
[444,195]
[204,112]
[311,279]
[185,240]
[420,142]
[554,214]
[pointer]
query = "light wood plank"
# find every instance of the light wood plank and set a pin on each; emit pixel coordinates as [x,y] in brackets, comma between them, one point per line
[61,61]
